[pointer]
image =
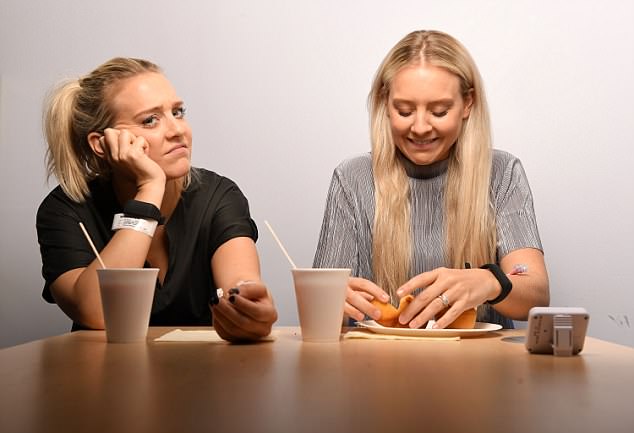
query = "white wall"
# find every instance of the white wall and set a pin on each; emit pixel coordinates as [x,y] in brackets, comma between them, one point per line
[276,94]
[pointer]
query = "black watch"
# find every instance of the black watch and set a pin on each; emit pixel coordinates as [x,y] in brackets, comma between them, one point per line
[141,209]
[504,281]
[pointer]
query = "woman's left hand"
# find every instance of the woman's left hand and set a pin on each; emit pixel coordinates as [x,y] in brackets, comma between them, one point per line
[461,288]
[245,312]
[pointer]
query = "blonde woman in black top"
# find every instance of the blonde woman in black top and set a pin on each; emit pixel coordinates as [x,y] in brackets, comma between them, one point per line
[119,143]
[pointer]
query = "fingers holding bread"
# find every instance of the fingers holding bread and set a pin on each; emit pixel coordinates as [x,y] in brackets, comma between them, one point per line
[359,295]
[389,313]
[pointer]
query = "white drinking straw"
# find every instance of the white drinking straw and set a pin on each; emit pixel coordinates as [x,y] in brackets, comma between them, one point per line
[83,229]
[280,244]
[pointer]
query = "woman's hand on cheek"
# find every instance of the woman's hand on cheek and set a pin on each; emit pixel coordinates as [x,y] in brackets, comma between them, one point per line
[128,154]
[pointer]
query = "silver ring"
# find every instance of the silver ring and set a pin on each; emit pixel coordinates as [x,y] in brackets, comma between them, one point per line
[443,298]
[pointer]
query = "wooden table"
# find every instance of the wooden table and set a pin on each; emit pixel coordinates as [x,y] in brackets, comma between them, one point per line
[79,383]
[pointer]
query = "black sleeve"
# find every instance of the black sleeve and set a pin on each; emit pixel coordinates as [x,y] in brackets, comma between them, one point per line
[230,217]
[62,244]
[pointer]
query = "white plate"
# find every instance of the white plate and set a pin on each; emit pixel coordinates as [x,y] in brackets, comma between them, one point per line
[479,329]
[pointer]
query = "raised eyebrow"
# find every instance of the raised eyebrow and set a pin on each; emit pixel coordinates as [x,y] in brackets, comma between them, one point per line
[158,108]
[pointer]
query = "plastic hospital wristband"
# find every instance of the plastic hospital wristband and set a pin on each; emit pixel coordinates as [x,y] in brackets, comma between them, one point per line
[120,221]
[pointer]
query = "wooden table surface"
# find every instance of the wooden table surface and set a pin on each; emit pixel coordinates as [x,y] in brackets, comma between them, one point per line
[79,383]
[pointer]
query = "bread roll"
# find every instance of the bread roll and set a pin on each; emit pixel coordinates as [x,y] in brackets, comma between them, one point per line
[466,320]
[389,314]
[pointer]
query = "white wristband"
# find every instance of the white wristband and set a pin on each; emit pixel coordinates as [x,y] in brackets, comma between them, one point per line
[121,221]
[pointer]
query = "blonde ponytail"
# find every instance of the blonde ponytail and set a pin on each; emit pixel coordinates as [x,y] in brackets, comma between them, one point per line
[75,109]
[62,160]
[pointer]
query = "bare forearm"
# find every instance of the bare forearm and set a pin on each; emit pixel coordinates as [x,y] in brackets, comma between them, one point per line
[235,260]
[77,291]
[248,313]
[530,289]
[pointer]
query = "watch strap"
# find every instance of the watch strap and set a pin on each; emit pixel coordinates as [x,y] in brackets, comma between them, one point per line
[504,281]
[142,209]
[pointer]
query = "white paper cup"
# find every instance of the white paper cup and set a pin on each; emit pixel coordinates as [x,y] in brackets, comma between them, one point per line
[126,297]
[321,295]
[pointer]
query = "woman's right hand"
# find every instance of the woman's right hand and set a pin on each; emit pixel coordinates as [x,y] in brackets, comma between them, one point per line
[359,296]
[128,155]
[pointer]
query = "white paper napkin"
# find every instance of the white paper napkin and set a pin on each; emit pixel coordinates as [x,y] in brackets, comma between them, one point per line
[204,335]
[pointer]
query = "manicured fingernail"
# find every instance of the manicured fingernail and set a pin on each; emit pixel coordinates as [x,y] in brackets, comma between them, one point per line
[232,299]
[399,292]
[385,297]
[234,291]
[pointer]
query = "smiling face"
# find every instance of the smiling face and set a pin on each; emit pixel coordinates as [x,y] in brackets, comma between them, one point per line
[147,105]
[426,111]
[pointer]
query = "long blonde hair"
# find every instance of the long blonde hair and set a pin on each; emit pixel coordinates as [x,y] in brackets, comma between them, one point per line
[469,221]
[73,110]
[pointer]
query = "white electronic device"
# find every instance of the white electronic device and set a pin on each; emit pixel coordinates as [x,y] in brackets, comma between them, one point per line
[557,330]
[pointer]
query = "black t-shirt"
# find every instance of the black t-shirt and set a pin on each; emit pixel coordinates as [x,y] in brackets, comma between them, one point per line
[210,212]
